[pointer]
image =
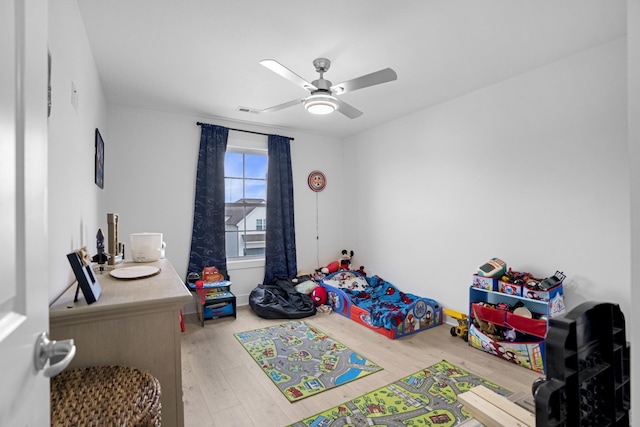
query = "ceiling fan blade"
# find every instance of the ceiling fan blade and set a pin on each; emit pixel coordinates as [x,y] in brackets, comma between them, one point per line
[372,79]
[280,69]
[283,106]
[348,110]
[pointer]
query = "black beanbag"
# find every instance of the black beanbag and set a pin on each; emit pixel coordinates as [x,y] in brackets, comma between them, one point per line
[279,299]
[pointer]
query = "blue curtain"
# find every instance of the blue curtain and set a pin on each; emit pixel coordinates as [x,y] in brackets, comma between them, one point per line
[208,235]
[280,252]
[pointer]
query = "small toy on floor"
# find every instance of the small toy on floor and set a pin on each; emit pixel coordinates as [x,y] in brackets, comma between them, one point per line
[324,309]
[462,330]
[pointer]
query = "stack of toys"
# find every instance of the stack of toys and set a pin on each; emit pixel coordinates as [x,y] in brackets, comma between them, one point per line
[509,312]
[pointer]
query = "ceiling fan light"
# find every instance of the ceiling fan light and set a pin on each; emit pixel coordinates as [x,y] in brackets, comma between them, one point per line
[321,104]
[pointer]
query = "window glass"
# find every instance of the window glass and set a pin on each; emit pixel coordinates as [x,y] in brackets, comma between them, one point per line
[233,165]
[256,166]
[245,202]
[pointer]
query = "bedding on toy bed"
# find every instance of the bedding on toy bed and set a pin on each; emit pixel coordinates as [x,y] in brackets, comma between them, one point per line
[386,305]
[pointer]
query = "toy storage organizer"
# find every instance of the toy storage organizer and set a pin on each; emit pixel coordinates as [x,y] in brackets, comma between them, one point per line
[588,374]
[530,352]
[214,300]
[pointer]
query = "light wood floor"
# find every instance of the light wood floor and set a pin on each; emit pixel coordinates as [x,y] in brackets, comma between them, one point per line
[224,387]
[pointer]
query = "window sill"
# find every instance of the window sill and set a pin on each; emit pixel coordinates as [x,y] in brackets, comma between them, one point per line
[242,264]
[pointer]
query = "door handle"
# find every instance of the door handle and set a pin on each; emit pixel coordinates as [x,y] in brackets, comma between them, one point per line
[46,349]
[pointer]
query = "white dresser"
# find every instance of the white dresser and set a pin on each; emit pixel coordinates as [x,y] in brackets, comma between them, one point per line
[134,323]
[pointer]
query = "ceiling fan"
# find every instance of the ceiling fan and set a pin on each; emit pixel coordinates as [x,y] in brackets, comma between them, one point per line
[323,99]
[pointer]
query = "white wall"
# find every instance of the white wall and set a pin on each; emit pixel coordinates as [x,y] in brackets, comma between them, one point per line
[633,50]
[532,170]
[74,199]
[150,171]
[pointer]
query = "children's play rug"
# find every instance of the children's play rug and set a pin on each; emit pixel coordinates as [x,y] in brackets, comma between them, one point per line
[302,360]
[426,398]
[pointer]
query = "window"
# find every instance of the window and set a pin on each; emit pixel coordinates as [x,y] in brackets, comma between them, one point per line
[245,177]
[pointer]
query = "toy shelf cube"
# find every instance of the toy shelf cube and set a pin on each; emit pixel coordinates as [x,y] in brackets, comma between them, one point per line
[488,283]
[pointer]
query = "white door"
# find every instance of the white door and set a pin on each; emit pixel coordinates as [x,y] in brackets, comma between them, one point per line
[24,391]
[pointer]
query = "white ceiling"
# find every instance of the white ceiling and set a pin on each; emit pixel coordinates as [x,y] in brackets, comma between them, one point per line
[201,57]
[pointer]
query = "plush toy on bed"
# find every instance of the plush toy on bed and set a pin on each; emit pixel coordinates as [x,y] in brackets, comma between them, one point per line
[319,295]
[344,263]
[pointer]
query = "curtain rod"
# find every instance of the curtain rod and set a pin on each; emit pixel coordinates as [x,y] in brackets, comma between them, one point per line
[246,131]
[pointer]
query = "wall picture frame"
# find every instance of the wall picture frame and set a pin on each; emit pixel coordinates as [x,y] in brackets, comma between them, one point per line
[99,168]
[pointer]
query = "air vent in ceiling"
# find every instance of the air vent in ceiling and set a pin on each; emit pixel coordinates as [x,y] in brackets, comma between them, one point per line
[247,110]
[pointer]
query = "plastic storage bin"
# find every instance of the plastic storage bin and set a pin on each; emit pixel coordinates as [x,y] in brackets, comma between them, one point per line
[588,372]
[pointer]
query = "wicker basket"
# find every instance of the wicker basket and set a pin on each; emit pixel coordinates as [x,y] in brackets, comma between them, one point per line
[105,396]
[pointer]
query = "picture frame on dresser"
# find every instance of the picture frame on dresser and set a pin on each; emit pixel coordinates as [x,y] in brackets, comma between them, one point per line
[99,166]
[87,281]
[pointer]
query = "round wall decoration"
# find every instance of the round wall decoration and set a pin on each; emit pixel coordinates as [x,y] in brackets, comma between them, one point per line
[317,181]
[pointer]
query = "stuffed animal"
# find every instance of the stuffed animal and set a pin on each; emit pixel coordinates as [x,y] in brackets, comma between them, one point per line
[509,334]
[211,274]
[344,263]
[319,295]
[318,276]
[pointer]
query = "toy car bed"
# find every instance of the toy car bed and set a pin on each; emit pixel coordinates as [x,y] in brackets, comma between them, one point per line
[379,305]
